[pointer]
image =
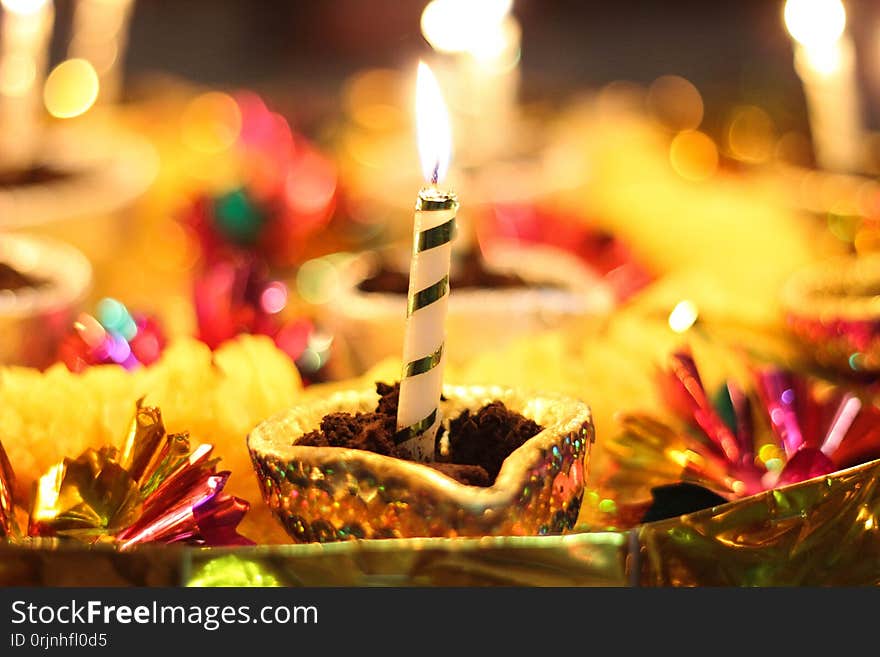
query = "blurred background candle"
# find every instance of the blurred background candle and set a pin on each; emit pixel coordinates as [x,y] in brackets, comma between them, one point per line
[483,39]
[100,36]
[24,49]
[825,61]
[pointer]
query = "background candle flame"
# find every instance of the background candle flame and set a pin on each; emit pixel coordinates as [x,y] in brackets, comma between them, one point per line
[432,126]
[458,26]
[24,7]
[815,24]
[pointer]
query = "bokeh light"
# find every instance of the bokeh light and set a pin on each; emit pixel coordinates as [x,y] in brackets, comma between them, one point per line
[317,280]
[311,183]
[180,247]
[683,316]
[369,99]
[257,121]
[293,339]
[794,148]
[772,456]
[112,335]
[211,123]
[675,102]
[693,155]
[71,89]
[274,297]
[751,135]
[114,317]
[90,330]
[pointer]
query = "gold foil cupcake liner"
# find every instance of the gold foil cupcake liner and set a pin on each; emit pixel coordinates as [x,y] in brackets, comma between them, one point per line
[323,494]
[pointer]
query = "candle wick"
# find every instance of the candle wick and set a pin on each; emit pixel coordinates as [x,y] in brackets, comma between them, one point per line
[435,174]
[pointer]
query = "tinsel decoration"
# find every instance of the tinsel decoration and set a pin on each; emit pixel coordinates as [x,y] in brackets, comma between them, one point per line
[7,501]
[112,335]
[786,428]
[152,489]
[285,190]
[238,296]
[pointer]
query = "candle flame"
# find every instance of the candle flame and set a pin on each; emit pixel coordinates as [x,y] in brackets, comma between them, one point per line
[24,7]
[455,26]
[432,126]
[815,24]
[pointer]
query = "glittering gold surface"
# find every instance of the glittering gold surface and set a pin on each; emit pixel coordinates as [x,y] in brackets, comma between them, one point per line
[822,532]
[598,559]
[574,560]
[817,533]
[328,494]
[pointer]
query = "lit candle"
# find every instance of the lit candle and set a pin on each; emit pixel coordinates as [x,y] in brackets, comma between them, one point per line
[100,36]
[421,381]
[24,50]
[484,38]
[825,61]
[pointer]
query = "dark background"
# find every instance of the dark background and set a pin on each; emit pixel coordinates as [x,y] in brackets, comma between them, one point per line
[735,52]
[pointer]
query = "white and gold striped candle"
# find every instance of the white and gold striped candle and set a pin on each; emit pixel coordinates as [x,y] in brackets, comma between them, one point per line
[421,382]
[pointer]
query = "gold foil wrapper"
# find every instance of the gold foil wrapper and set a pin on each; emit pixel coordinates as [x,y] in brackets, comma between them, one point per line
[7,499]
[87,497]
[596,559]
[327,494]
[140,448]
[822,532]
[154,490]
